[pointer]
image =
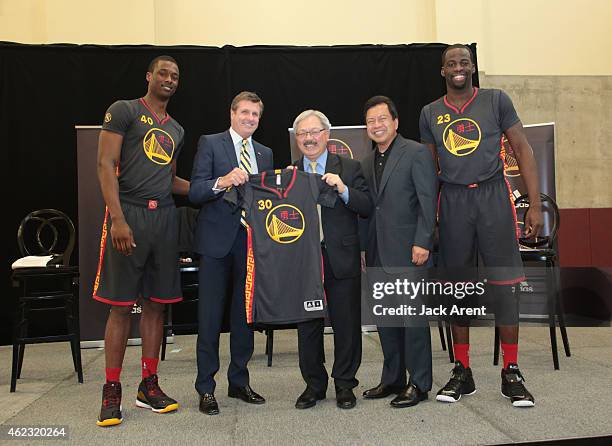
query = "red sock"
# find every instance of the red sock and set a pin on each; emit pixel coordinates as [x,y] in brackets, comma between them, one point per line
[113,374]
[510,353]
[462,354]
[149,367]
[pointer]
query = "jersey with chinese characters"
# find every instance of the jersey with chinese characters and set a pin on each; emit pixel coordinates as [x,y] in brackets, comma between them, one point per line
[150,144]
[469,140]
[284,280]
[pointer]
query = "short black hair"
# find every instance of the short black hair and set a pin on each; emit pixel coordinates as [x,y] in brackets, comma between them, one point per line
[153,63]
[377,100]
[456,46]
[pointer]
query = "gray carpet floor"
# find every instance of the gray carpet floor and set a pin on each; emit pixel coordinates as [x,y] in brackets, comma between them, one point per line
[575,401]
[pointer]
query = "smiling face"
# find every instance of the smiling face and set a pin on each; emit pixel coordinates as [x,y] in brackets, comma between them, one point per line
[164,79]
[311,137]
[245,118]
[381,127]
[458,69]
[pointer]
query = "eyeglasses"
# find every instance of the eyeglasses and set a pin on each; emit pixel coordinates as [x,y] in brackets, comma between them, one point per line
[314,133]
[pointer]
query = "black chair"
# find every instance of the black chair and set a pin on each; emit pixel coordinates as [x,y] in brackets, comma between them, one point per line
[268,330]
[48,288]
[188,267]
[543,249]
[183,317]
[189,305]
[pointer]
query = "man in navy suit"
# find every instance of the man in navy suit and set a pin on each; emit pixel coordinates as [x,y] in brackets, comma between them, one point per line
[224,160]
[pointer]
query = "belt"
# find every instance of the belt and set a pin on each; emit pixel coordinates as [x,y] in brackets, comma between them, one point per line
[146,203]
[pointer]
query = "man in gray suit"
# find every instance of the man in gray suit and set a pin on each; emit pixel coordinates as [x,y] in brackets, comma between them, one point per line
[402,180]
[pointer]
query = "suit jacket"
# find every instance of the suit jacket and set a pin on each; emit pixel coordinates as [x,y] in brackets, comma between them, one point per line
[340,223]
[404,205]
[217,224]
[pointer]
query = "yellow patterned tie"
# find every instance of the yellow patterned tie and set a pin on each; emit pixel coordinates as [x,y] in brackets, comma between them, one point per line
[245,164]
[313,169]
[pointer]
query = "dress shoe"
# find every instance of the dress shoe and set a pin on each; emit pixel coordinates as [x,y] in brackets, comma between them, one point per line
[246,394]
[308,399]
[381,391]
[410,396]
[345,398]
[208,404]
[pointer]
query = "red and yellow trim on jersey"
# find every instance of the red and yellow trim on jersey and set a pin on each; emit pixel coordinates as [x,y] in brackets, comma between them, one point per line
[166,301]
[517,230]
[159,121]
[249,283]
[457,110]
[509,281]
[101,255]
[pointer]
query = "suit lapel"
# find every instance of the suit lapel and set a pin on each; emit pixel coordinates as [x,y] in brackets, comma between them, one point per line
[258,155]
[333,163]
[372,171]
[394,157]
[228,145]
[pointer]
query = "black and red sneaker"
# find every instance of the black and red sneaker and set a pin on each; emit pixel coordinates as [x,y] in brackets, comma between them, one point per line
[512,387]
[461,383]
[150,396]
[110,413]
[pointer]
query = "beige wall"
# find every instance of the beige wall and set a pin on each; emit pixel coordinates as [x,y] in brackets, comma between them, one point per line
[531,37]
[580,108]
[551,56]
[522,37]
[217,23]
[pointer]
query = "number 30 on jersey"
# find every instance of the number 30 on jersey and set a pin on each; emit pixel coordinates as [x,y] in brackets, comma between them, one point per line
[264,204]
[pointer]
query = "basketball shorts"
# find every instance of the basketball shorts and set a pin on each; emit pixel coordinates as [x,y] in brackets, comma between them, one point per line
[480,220]
[478,241]
[152,270]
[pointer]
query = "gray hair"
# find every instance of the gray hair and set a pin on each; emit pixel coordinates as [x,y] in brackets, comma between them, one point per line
[306,114]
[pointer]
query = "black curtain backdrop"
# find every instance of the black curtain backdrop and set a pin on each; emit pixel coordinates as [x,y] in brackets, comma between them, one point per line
[45,90]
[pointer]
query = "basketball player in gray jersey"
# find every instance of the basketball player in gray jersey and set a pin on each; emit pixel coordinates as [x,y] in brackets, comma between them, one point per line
[463,129]
[137,152]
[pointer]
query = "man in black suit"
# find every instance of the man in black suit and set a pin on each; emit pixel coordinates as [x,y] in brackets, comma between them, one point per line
[341,265]
[402,180]
[224,160]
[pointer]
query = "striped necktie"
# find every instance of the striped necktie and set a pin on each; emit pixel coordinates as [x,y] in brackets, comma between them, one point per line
[313,169]
[245,164]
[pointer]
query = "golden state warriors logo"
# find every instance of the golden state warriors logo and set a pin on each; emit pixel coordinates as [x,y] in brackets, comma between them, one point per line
[285,223]
[511,168]
[339,147]
[462,136]
[158,146]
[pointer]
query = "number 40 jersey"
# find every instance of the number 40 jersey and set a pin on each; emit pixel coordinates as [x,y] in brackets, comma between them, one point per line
[284,279]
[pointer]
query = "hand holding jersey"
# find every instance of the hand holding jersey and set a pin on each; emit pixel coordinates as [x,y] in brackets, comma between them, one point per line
[235,177]
[334,180]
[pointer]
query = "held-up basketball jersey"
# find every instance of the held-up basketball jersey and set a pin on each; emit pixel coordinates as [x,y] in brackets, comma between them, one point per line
[284,279]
